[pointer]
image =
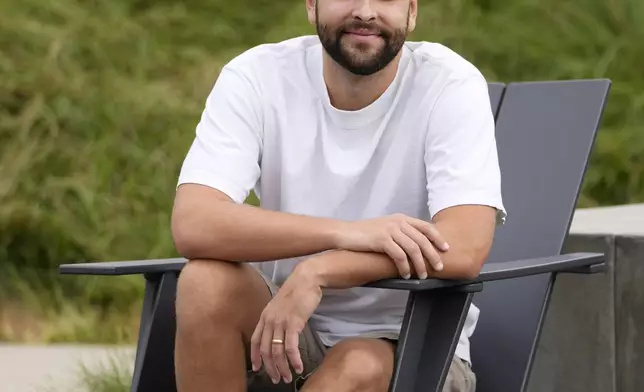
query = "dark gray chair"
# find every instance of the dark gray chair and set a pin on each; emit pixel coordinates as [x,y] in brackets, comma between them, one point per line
[545,133]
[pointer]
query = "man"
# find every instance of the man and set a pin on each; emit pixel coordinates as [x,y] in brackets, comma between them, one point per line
[373,158]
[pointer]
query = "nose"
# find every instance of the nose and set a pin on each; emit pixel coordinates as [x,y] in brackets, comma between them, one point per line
[364,10]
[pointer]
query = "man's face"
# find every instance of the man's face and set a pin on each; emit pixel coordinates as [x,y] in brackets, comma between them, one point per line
[363,36]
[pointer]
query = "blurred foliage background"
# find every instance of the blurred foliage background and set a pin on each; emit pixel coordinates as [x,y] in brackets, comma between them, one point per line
[99,100]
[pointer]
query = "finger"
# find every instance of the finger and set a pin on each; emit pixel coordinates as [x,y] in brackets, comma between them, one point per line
[255,343]
[279,356]
[431,232]
[426,247]
[413,251]
[399,257]
[267,354]
[434,259]
[293,350]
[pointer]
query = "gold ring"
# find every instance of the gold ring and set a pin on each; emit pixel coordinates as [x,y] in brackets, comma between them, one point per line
[278,341]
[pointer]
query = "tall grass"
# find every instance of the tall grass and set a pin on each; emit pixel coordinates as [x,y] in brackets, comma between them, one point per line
[110,372]
[114,376]
[99,100]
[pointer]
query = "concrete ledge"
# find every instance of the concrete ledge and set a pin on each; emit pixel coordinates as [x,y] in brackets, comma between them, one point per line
[593,334]
[629,313]
[576,352]
[626,220]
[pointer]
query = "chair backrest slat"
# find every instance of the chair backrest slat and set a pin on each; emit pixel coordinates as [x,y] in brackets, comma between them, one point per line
[545,133]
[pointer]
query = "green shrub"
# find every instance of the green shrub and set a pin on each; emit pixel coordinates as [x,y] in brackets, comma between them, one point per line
[99,100]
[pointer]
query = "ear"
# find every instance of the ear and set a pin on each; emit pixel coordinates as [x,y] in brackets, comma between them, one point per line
[310,11]
[413,12]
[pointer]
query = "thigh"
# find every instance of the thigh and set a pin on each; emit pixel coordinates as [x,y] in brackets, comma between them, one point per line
[460,378]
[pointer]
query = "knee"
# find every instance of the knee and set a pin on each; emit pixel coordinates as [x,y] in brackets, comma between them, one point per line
[206,292]
[364,368]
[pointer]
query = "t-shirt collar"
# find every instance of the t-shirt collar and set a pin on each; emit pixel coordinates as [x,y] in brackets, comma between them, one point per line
[357,118]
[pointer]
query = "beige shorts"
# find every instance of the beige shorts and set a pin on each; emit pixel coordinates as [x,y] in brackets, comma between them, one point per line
[312,351]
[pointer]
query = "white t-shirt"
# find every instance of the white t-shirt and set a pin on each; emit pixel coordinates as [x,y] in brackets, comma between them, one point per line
[426,144]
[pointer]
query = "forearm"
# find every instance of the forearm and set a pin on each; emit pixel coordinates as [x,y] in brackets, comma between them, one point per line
[238,232]
[345,269]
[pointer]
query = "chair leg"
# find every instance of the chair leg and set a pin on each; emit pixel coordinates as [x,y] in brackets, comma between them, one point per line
[430,332]
[154,363]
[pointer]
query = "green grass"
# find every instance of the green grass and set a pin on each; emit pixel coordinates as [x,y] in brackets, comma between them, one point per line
[113,375]
[99,100]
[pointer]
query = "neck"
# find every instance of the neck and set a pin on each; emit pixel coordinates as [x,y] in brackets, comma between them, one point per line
[348,91]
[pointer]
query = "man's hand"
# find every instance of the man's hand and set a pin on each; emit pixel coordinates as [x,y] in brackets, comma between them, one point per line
[400,237]
[284,318]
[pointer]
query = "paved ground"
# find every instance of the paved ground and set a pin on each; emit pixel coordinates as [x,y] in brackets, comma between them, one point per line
[54,368]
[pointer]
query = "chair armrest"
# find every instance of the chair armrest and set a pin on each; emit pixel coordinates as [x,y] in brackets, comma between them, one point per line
[124,267]
[567,263]
[584,263]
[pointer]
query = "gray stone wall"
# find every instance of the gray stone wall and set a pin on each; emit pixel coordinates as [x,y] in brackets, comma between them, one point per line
[593,333]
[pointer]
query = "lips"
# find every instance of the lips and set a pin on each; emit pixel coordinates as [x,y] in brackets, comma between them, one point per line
[364,33]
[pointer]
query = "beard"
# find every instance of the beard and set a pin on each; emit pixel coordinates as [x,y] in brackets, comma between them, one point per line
[360,59]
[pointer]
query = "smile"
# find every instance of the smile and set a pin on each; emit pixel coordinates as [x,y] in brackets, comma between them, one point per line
[362,35]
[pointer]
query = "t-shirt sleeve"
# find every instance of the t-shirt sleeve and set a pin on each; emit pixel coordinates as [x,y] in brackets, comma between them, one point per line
[226,150]
[461,158]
